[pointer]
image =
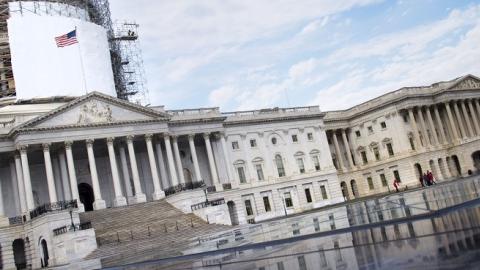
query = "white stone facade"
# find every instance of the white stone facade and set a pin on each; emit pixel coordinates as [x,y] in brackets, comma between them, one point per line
[106,152]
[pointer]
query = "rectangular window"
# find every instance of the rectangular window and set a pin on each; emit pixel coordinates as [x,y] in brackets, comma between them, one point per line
[288,199]
[259,169]
[308,196]
[338,253]
[357,133]
[295,229]
[280,266]
[396,174]
[316,224]
[370,130]
[323,190]
[302,264]
[301,165]
[253,143]
[248,207]
[235,145]
[266,203]
[316,163]
[383,125]
[294,138]
[412,144]
[323,258]
[370,183]
[383,179]
[241,174]
[364,157]
[390,149]
[310,136]
[376,152]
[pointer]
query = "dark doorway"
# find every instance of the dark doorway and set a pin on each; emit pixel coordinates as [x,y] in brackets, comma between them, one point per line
[232,210]
[457,165]
[344,187]
[418,170]
[353,184]
[44,248]
[476,160]
[19,254]
[85,192]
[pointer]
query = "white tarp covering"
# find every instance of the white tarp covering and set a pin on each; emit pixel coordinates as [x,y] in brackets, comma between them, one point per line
[41,69]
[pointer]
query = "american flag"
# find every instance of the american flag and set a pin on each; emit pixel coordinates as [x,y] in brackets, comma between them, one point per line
[67,39]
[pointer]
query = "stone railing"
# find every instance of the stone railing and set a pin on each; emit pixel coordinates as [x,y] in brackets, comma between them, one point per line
[181,187]
[76,227]
[51,207]
[195,113]
[17,220]
[276,110]
[207,204]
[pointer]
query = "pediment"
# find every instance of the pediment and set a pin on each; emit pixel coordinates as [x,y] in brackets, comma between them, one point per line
[466,83]
[95,109]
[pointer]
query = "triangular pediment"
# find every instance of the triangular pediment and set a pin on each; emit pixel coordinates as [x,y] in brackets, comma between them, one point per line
[466,83]
[95,109]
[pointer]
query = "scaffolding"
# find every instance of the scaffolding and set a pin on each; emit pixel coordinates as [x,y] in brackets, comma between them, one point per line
[129,78]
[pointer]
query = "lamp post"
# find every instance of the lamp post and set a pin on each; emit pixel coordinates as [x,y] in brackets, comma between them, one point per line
[71,219]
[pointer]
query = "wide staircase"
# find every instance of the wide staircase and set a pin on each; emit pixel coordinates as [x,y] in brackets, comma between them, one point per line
[144,231]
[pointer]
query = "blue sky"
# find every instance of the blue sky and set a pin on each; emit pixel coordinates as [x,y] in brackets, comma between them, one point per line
[251,54]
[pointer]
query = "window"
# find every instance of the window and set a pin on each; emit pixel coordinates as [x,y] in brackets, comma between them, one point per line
[323,259]
[241,175]
[266,204]
[323,190]
[301,165]
[316,224]
[248,207]
[294,138]
[396,174]
[405,118]
[332,221]
[383,125]
[364,157]
[316,163]
[280,168]
[370,129]
[280,266]
[310,136]
[308,195]
[338,252]
[390,149]
[253,143]
[274,140]
[357,133]
[235,145]
[412,144]
[376,152]
[288,199]
[259,169]
[370,183]
[383,179]
[302,264]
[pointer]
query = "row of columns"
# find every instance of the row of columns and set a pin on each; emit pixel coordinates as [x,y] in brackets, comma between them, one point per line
[347,146]
[457,126]
[22,170]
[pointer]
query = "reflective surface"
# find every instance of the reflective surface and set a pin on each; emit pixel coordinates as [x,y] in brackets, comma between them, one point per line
[433,228]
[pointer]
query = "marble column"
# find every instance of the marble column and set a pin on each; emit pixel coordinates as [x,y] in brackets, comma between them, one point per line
[467,119]
[161,166]
[476,102]
[474,117]
[20,185]
[440,124]
[99,203]
[178,160]
[432,126]
[139,196]
[171,163]
[459,120]
[347,149]
[125,172]
[119,199]
[64,176]
[52,194]
[157,189]
[13,183]
[337,151]
[72,175]
[3,219]
[456,137]
[416,135]
[223,142]
[211,162]
[423,127]
[193,152]
[26,177]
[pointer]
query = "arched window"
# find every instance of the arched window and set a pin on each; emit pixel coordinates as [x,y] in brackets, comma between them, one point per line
[300,161]
[280,168]
[240,168]
[315,155]
[258,165]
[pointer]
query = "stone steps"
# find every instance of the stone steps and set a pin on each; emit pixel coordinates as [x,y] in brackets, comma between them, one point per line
[144,231]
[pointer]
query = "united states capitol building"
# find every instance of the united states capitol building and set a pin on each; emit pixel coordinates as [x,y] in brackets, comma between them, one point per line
[63,155]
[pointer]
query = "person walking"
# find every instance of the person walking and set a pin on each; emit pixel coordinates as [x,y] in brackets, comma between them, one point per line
[425,179]
[431,178]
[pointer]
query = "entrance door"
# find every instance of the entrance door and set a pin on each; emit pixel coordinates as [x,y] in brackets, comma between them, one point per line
[19,254]
[353,184]
[44,248]
[476,160]
[85,192]
[344,187]
[232,210]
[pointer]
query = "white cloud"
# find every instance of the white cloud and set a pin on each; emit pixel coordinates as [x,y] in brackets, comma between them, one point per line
[302,69]
[222,96]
